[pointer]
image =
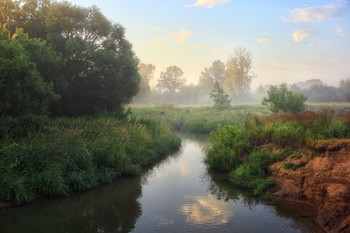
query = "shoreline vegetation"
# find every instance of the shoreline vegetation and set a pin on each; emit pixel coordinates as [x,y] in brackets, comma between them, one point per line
[42,157]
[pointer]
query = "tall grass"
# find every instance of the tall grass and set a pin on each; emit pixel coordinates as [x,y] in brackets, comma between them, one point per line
[236,149]
[66,155]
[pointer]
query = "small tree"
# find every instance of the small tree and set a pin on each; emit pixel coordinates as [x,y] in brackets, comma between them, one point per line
[219,96]
[280,99]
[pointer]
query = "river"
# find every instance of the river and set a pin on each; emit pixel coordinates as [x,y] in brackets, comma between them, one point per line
[179,194]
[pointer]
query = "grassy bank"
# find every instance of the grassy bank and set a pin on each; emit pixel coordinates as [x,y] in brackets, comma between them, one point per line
[56,157]
[246,150]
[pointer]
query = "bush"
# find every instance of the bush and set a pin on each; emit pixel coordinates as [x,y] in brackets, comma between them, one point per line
[280,99]
[222,156]
[252,174]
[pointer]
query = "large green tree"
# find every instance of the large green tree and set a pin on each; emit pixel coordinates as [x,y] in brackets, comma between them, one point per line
[100,69]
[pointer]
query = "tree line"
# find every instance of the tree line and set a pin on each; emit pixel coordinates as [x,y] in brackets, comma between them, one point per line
[62,59]
[226,83]
[232,79]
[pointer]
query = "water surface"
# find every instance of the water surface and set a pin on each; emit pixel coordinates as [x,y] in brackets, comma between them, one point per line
[178,195]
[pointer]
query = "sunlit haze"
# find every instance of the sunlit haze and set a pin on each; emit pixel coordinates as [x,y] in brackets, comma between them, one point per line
[291,41]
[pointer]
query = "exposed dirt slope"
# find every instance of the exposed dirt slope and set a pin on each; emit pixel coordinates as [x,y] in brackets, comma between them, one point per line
[320,178]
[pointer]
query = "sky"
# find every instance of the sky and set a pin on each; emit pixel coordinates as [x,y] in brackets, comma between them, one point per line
[291,41]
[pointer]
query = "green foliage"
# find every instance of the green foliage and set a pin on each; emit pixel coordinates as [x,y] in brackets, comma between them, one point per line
[280,99]
[222,156]
[220,98]
[23,89]
[252,174]
[93,69]
[66,155]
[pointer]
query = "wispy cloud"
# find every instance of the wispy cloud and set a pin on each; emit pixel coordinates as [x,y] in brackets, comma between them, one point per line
[157,43]
[315,14]
[160,29]
[340,31]
[196,47]
[300,34]
[177,37]
[182,35]
[207,3]
[264,41]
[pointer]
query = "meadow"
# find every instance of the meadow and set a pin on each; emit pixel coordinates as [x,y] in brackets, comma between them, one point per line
[205,119]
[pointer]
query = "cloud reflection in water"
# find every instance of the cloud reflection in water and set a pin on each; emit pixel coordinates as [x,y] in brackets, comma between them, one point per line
[207,210]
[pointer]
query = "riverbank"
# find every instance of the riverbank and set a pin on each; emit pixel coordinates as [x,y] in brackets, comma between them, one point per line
[319,177]
[42,157]
[304,157]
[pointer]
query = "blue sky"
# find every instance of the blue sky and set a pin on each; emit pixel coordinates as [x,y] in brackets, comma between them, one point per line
[291,41]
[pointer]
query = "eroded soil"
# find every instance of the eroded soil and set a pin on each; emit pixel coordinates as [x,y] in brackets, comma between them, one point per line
[320,178]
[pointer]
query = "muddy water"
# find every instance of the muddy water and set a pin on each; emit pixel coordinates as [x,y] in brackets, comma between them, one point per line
[178,195]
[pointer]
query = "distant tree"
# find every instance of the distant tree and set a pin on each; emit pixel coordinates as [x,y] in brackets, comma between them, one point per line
[324,93]
[239,72]
[171,80]
[219,96]
[146,72]
[216,72]
[260,91]
[8,13]
[344,86]
[23,89]
[281,99]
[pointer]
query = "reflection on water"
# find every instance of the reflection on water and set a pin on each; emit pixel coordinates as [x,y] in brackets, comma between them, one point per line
[207,210]
[178,194]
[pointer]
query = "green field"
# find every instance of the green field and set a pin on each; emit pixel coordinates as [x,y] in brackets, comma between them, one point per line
[204,119]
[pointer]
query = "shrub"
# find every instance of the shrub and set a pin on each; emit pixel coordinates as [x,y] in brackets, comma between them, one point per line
[252,174]
[280,99]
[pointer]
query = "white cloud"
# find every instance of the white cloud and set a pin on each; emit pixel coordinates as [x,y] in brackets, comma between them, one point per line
[182,35]
[300,34]
[264,41]
[315,14]
[208,3]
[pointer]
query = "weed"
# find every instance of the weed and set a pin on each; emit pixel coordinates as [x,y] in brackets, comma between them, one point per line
[289,165]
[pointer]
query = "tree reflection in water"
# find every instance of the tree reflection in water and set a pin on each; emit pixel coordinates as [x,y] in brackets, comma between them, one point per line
[110,208]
